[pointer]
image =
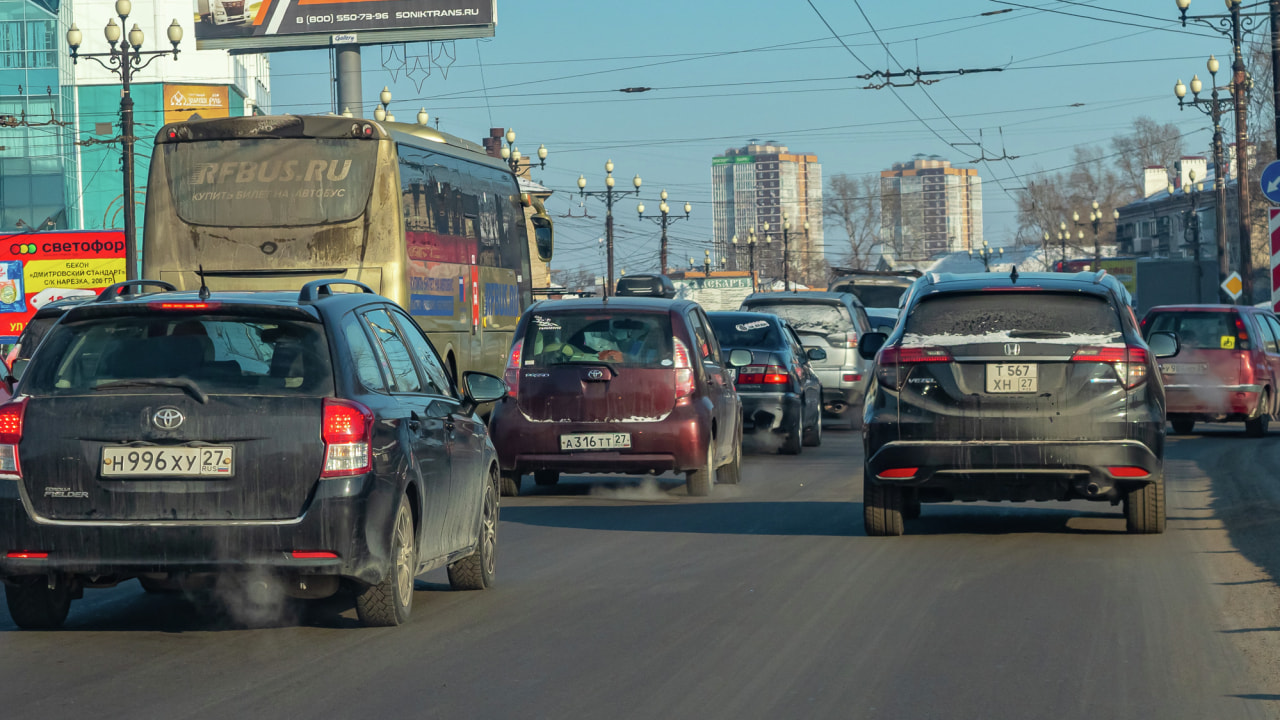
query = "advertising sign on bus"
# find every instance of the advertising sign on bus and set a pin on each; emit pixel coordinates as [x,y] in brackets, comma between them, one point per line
[38,268]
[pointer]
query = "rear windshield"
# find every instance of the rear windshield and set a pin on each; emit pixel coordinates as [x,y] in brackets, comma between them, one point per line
[809,317]
[744,331]
[220,354]
[996,316]
[877,296]
[1199,330]
[627,339]
[31,336]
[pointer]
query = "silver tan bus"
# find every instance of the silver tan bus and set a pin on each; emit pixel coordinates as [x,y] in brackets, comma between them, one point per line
[273,202]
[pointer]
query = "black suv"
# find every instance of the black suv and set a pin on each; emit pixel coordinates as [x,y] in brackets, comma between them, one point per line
[297,442]
[1009,387]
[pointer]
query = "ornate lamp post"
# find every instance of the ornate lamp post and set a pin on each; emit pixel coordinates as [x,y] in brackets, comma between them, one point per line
[751,252]
[985,253]
[664,219]
[1214,107]
[608,194]
[512,155]
[125,58]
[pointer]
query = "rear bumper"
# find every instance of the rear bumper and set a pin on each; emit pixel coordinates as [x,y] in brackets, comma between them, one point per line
[769,412]
[350,517]
[995,471]
[1212,400]
[838,392]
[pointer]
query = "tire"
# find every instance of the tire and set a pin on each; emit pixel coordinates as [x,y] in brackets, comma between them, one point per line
[881,508]
[698,482]
[731,474]
[1182,425]
[33,606]
[1144,508]
[546,478]
[791,441]
[510,484]
[476,571]
[813,436]
[388,602]
[1257,427]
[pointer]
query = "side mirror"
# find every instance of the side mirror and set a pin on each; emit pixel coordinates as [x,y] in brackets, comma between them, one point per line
[739,358]
[479,388]
[816,353]
[1164,344]
[543,236]
[19,366]
[870,344]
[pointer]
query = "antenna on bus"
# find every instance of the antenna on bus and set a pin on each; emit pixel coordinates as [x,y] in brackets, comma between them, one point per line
[204,289]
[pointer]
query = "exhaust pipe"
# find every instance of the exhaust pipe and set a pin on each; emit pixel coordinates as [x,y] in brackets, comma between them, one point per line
[1093,489]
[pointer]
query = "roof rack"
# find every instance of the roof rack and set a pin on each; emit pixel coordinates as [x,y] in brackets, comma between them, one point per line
[317,289]
[112,292]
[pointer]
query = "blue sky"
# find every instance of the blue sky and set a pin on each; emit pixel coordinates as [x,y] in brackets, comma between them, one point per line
[727,72]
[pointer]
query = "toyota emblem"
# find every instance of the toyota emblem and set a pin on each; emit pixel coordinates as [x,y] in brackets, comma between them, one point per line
[1012,349]
[595,374]
[168,418]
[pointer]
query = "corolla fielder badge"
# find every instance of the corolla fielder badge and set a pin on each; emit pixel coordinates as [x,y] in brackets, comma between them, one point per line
[168,418]
[1012,349]
[595,374]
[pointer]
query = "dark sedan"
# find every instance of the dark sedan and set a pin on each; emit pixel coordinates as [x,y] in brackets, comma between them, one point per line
[781,394]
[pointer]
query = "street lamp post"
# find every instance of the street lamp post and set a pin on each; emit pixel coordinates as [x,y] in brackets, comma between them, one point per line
[985,253]
[751,253]
[1213,106]
[664,219]
[1191,224]
[1233,25]
[125,58]
[608,194]
[706,263]
[1063,236]
[512,155]
[786,250]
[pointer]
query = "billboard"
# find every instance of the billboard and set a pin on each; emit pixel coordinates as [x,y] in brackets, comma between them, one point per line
[273,25]
[196,102]
[38,268]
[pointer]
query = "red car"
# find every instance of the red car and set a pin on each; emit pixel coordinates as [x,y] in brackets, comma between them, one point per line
[1227,368]
[620,385]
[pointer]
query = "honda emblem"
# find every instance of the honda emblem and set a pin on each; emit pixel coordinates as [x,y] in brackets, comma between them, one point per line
[1012,349]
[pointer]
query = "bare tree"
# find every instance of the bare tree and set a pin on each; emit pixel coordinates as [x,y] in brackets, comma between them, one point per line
[1149,144]
[1051,200]
[853,201]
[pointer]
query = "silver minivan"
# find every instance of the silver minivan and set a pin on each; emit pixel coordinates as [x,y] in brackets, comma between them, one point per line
[833,321]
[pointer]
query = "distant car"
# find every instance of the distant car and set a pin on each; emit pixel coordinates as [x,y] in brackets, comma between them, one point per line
[882,319]
[1228,369]
[780,392]
[618,385]
[37,327]
[1015,387]
[883,290]
[308,440]
[832,321]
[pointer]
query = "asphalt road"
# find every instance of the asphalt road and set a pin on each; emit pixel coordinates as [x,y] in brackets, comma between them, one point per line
[618,599]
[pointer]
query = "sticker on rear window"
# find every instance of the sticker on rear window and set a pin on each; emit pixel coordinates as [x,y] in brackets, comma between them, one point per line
[1228,342]
[545,322]
[666,362]
[753,325]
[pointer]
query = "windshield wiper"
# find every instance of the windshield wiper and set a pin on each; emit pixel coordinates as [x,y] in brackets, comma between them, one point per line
[1041,334]
[181,383]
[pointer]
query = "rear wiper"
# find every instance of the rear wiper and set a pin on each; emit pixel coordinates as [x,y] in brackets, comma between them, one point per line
[1041,334]
[613,367]
[181,383]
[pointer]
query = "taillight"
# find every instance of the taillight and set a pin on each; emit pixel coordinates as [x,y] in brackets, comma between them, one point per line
[11,418]
[764,375]
[1242,334]
[844,340]
[1130,363]
[346,430]
[1127,471]
[894,362]
[897,473]
[512,373]
[684,370]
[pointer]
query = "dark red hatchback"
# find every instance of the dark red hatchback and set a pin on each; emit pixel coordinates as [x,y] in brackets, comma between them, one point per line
[619,385]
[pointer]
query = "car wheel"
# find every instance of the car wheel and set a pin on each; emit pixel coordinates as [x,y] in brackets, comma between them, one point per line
[881,507]
[1257,427]
[476,571]
[387,603]
[546,478]
[33,605]
[698,482]
[510,484]
[1182,425]
[731,474]
[791,442]
[1144,508]
[813,436]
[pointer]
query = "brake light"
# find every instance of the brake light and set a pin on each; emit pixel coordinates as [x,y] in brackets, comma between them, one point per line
[844,340]
[26,555]
[684,371]
[1130,363]
[764,375]
[1127,471]
[512,373]
[897,473]
[894,362]
[184,305]
[347,432]
[12,414]
[1242,334]
[314,555]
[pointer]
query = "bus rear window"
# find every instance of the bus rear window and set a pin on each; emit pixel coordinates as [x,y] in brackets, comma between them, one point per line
[272,182]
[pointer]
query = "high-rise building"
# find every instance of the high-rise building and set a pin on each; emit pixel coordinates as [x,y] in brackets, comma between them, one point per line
[752,187]
[928,208]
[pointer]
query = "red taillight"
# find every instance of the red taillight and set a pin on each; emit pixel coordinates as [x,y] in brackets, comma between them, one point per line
[512,373]
[897,473]
[314,555]
[894,362]
[764,375]
[1130,363]
[184,305]
[12,414]
[26,555]
[346,430]
[1127,471]
[851,377]
[684,370]
[173,134]
[844,340]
